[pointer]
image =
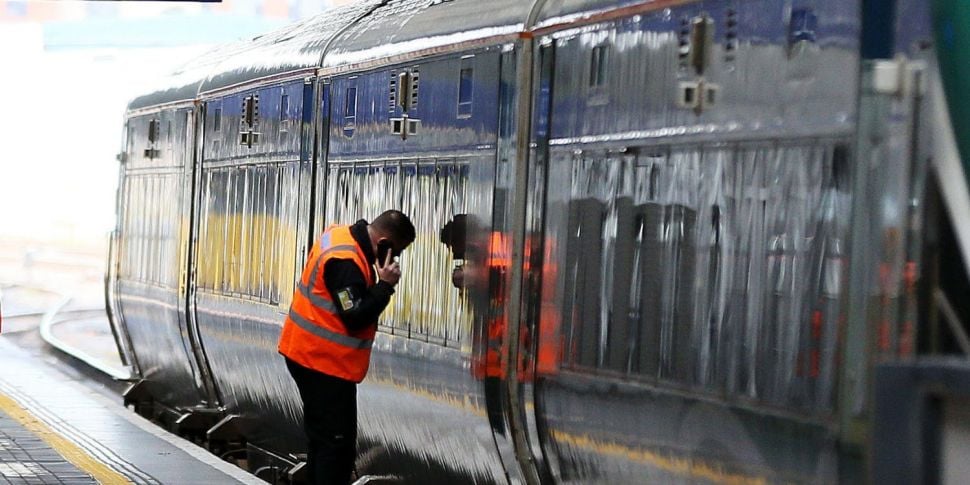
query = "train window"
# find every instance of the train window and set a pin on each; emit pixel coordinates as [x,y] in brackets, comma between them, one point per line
[153,131]
[262,235]
[230,260]
[151,231]
[217,120]
[141,238]
[284,107]
[403,87]
[144,229]
[598,66]
[465,78]
[212,233]
[802,26]
[169,235]
[350,104]
[152,222]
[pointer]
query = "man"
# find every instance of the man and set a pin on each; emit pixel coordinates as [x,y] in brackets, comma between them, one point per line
[328,333]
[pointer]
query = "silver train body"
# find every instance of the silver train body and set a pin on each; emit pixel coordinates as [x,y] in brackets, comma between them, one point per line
[710,212]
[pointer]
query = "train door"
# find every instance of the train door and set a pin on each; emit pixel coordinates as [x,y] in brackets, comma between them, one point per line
[152,283]
[115,316]
[518,214]
[251,222]
[540,325]
[187,255]
[494,347]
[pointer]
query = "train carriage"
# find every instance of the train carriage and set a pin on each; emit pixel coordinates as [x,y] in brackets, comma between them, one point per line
[688,231]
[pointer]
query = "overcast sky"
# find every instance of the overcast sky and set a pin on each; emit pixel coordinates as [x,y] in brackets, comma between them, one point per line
[69,69]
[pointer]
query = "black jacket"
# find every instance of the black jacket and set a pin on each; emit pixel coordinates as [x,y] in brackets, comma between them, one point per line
[343,278]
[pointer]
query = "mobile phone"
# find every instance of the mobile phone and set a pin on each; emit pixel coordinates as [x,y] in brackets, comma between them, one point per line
[383,248]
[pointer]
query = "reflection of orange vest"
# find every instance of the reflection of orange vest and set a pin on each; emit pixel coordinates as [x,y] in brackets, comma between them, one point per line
[550,338]
[499,251]
[491,364]
[488,361]
[313,335]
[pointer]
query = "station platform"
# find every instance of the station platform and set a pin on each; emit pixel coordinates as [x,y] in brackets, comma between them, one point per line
[53,430]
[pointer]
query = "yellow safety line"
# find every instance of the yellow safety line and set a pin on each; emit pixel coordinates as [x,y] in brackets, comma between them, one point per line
[67,449]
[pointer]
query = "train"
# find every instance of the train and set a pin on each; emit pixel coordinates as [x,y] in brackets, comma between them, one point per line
[693,235]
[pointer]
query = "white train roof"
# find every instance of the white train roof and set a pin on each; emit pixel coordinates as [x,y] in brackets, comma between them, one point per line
[559,12]
[369,33]
[287,51]
[403,29]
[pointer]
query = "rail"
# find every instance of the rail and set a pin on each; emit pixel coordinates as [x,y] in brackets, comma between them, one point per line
[46,333]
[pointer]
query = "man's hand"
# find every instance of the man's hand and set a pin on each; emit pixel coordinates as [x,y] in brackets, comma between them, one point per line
[458,277]
[389,271]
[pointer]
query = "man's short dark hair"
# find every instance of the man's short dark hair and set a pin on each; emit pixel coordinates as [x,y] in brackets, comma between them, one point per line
[453,235]
[395,224]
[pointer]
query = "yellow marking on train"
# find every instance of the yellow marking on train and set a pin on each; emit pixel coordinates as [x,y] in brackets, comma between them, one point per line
[67,449]
[693,468]
[680,466]
[463,403]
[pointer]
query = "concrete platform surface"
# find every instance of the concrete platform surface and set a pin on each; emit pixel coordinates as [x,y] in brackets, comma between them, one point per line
[53,430]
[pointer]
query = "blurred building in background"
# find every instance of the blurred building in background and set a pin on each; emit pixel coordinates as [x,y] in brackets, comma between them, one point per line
[43,11]
[69,69]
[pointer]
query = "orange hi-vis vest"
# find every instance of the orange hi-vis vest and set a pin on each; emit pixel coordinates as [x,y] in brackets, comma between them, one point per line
[313,334]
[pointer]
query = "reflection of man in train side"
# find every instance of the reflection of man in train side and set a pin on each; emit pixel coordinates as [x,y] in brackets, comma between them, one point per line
[328,334]
[469,277]
[453,236]
[485,265]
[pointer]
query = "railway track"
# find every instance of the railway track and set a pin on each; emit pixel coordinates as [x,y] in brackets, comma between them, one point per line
[58,316]
[49,322]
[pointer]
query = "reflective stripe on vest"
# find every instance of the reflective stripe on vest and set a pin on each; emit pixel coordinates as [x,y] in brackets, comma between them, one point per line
[317,300]
[345,340]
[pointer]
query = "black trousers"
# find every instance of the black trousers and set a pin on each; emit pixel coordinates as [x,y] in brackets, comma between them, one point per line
[330,423]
